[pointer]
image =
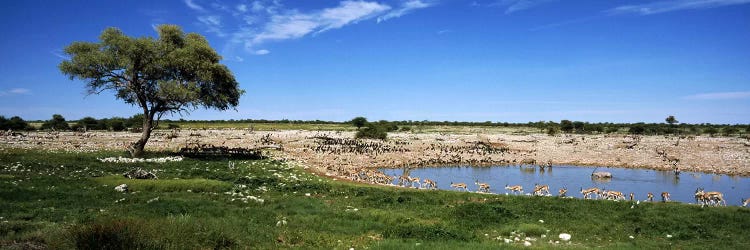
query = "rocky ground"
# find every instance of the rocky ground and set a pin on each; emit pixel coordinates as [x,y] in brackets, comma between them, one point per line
[335,152]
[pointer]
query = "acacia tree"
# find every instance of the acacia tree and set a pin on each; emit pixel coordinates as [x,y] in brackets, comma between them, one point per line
[671,120]
[359,122]
[173,73]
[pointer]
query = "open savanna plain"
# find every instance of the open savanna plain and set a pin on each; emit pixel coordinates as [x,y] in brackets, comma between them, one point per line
[56,192]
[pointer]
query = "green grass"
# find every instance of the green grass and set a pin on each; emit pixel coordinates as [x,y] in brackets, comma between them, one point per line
[67,201]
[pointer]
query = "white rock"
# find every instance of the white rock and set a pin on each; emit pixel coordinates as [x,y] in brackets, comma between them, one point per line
[527,244]
[507,241]
[307,194]
[121,188]
[541,221]
[564,236]
[669,236]
[631,237]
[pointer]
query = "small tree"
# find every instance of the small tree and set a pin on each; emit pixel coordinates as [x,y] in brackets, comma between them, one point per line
[671,120]
[637,129]
[729,130]
[174,73]
[56,123]
[579,126]
[116,124]
[359,122]
[710,131]
[566,126]
[87,123]
[372,131]
[14,123]
[552,130]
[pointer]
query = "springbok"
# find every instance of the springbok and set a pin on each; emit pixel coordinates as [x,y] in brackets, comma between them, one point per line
[632,196]
[563,192]
[745,202]
[541,189]
[415,180]
[664,196]
[591,191]
[429,184]
[514,189]
[613,195]
[483,187]
[458,186]
[650,196]
[715,198]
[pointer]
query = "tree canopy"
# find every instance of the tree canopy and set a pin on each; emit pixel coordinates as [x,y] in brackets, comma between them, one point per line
[359,122]
[176,72]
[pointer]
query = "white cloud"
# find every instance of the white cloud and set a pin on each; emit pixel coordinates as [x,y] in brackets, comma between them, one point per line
[441,32]
[518,5]
[15,91]
[294,25]
[261,52]
[406,8]
[720,96]
[194,6]
[251,23]
[212,24]
[672,5]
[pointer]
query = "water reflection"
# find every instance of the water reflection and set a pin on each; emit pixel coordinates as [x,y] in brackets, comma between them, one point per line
[636,181]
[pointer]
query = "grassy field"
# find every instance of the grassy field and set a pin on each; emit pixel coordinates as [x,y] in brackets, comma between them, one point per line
[67,200]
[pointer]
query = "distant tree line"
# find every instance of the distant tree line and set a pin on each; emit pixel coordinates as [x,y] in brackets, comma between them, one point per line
[672,126]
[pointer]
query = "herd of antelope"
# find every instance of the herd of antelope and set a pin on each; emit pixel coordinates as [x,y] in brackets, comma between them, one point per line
[702,197]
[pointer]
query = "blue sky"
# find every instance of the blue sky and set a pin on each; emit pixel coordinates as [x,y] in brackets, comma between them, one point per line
[496,60]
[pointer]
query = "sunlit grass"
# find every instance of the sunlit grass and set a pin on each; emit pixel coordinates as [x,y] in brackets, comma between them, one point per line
[67,200]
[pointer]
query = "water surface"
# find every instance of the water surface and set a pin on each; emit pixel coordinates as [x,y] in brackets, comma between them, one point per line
[638,181]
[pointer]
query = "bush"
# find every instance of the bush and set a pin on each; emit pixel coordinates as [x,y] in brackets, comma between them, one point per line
[56,123]
[610,130]
[711,131]
[566,126]
[405,128]
[87,123]
[372,131]
[116,124]
[173,126]
[359,122]
[727,131]
[117,234]
[15,123]
[552,130]
[637,129]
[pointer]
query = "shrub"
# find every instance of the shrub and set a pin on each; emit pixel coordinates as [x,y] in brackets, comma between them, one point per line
[610,130]
[56,123]
[711,131]
[117,234]
[372,131]
[116,124]
[15,123]
[359,122]
[552,130]
[566,126]
[637,129]
[87,123]
[730,130]
[173,126]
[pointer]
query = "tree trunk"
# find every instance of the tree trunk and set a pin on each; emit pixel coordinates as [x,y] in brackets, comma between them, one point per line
[136,149]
